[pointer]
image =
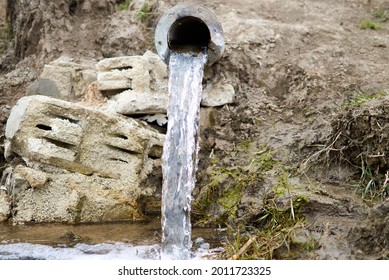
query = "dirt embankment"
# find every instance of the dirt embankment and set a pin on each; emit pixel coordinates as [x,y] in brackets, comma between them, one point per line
[301,156]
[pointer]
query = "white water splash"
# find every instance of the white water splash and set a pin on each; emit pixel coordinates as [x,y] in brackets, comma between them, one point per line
[180,152]
[102,251]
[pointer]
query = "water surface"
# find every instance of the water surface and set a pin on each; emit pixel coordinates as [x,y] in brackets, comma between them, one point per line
[128,241]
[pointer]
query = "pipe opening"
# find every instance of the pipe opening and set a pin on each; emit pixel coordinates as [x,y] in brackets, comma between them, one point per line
[189,34]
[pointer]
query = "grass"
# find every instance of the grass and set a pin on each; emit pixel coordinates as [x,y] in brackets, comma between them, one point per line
[123,5]
[227,185]
[372,186]
[272,238]
[382,15]
[361,98]
[368,24]
[144,13]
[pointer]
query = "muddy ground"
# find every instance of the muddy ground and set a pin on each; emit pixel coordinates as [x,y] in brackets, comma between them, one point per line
[300,161]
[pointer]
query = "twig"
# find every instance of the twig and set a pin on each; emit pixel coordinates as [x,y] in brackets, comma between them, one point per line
[243,249]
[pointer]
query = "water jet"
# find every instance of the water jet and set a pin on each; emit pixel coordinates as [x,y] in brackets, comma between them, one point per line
[188,38]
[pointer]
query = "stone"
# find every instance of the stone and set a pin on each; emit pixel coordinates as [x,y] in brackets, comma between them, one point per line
[218,95]
[64,79]
[5,206]
[131,103]
[35,178]
[46,87]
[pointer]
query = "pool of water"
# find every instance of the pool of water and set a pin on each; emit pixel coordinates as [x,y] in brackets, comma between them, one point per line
[139,240]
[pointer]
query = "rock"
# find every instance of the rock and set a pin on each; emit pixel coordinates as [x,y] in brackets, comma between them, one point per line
[207,118]
[44,87]
[131,102]
[218,95]
[5,206]
[83,165]
[35,178]
[63,79]
[75,198]
[140,80]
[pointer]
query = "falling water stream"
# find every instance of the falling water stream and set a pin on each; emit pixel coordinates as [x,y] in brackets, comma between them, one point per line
[180,152]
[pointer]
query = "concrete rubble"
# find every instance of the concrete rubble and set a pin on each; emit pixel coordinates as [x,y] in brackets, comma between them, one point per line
[64,79]
[82,165]
[137,84]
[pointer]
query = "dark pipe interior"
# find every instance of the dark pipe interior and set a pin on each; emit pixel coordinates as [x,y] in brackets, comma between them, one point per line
[189,34]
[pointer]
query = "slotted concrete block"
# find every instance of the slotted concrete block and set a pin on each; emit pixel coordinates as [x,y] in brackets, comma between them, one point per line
[80,139]
[132,71]
[139,82]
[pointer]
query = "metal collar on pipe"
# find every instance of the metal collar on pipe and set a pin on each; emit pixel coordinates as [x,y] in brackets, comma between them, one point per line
[189,27]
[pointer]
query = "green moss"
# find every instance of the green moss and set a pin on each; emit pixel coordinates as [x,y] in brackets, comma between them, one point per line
[245,144]
[214,160]
[230,200]
[282,187]
[144,12]
[224,191]
[310,245]
[263,160]
[222,195]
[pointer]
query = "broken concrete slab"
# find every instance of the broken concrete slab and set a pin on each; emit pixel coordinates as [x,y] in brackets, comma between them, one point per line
[79,139]
[83,165]
[138,83]
[132,103]
[131,70]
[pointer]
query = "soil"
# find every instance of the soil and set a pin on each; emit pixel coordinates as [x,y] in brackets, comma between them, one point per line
[310,116]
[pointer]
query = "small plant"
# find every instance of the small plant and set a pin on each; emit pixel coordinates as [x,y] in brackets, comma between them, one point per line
[367,24]
[371,186]
[227,185]
[144,13]
[382,15]
[274,235]
[362,97]
[123,5]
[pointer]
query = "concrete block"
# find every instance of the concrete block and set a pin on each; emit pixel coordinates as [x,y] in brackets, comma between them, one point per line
[79,139]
